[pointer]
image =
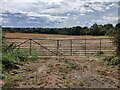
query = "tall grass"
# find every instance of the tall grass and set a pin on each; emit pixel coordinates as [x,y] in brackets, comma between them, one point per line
[112,60]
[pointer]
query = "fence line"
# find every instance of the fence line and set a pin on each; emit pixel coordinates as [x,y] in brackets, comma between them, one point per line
[65,47]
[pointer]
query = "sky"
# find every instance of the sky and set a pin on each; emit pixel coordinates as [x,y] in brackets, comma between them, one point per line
[57,13]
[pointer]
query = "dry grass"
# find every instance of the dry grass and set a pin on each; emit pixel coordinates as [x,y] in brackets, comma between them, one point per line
[67,72]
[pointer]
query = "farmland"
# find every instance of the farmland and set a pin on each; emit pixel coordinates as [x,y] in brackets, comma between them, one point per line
[66,45]
[64,71]
[47,36]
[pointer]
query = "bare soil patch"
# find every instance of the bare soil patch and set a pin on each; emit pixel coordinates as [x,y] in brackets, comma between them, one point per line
[73,72]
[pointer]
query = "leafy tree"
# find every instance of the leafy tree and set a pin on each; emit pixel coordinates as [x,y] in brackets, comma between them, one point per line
[95,29]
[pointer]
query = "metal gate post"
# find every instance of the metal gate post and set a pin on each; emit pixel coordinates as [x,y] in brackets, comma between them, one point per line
[30,46]
[71,47]
[57,47]
[85,47]
[100,45]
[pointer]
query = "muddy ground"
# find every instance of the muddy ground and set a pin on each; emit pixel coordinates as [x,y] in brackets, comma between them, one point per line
[64,72]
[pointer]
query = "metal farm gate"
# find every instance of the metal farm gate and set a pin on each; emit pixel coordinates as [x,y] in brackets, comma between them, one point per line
[64,47]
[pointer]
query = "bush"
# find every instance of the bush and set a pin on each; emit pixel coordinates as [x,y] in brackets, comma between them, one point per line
[13,56]
[112,60]
[8,60]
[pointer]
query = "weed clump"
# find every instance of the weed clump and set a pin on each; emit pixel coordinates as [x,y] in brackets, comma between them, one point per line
[112,60]
[99,53]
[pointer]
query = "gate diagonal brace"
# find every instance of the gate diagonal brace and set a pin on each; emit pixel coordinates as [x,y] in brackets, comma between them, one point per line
[22,43]
[44,47]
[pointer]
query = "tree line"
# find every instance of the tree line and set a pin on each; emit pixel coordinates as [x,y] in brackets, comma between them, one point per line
[95,30]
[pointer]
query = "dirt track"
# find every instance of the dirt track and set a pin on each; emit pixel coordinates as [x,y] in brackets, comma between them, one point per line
[56,72]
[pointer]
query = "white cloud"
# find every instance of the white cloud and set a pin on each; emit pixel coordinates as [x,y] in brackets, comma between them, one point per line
[110,18]
[68,14]
[106,19]
[42,6]
[90,10]
[19,0]
[48,17]
[82,14]
[107,8]
[102,0]
[97,21]
[78,22]
[74,18]
[58,10]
